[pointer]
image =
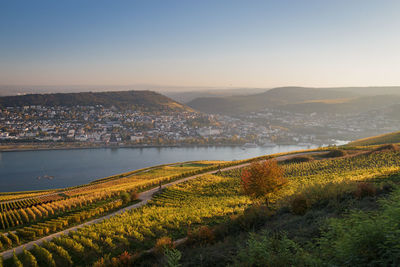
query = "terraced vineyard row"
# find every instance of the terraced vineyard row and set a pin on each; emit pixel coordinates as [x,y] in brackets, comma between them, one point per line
[24,203]
[171,213]
[371,161]
[54,225]
[19,217]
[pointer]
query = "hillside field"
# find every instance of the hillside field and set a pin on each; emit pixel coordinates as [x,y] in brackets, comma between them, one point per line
[390,138]
[210,221]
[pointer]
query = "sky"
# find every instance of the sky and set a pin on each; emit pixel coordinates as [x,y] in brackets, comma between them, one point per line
[215,43]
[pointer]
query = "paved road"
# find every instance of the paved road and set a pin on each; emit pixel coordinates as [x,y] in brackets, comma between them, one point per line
[145,197]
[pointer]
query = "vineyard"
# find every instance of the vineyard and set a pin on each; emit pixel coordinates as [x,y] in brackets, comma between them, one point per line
[173,212]
[32,218]
[209,200]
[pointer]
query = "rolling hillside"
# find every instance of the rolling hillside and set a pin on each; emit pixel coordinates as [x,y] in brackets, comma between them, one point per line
[296,99]
[277,97]
[136,100]
[334,207]
[390,138]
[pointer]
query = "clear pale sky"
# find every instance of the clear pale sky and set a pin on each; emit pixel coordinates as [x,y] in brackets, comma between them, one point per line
[200,43]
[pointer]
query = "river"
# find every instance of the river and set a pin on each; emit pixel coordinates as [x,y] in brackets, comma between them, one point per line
[19,171]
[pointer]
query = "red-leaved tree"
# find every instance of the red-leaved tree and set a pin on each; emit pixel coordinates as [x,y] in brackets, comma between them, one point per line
[262,178]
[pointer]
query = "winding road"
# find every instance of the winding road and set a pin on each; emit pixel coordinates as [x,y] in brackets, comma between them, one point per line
[145,197]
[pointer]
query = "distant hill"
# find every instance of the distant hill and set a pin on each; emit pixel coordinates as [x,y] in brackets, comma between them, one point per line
[346,105]
[370,90]
[278,97]
[300,100]
[390,138]
[187,96]
[137,100]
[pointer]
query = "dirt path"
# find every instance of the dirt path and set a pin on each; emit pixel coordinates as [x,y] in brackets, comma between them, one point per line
[145,197]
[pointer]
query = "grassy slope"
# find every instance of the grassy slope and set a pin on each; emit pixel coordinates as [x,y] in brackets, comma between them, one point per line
[319,236]
[328,185]
[390,138]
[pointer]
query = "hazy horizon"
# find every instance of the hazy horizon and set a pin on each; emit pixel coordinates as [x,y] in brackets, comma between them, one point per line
[223,44]
[168,89]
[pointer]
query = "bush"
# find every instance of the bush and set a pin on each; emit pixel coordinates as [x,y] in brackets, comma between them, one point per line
[125,197]
[125,259]
[298,159]
[335,153]
[364,238]
[365,190]
[162,244]
[262,178]
[268,249]
[252,218]
[203,235]
[172,257]
[134,195]
[299,204]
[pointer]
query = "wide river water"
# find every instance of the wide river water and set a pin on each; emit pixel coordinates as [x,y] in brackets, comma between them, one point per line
[20,170]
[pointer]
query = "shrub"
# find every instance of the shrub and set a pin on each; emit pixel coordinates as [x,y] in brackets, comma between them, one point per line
[365,189]
[125,197]
[1,261]
[202,235]
[335,153]
[134,195]
[298,159]
[262,178]
[162,244]
[299,204]
[172,257]
[125,259]
[364,238]
[268,249]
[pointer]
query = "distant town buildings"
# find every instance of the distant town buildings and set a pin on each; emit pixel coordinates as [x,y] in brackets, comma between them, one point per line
[99,125]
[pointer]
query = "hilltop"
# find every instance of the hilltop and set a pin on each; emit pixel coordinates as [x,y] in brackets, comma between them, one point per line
[135,100]
[298,99]
[390,138]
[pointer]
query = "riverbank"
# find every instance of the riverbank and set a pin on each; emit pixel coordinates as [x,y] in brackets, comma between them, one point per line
[72,167]
[64,146]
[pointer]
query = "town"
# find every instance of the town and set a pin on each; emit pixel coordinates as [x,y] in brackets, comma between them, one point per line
[100,126]
[110,126]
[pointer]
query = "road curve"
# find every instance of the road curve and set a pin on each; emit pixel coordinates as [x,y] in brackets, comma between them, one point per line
[145,197]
